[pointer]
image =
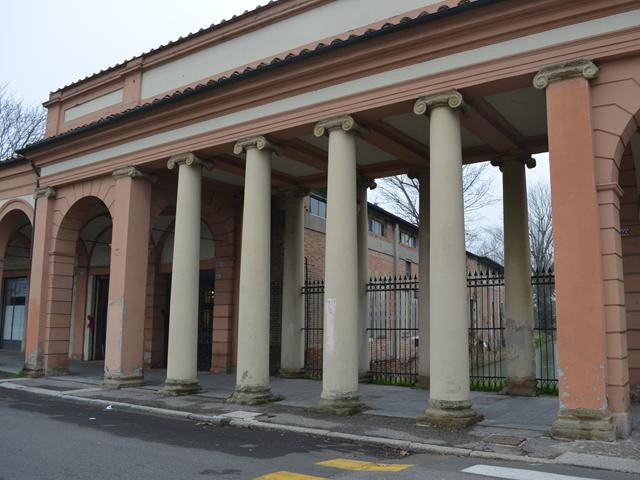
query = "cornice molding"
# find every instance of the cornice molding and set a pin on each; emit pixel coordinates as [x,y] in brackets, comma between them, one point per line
[565,71]
[344,122]
[449,98]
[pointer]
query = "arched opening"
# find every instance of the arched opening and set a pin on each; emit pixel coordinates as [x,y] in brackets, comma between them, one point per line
[162,234]
[15,264]
[79,297]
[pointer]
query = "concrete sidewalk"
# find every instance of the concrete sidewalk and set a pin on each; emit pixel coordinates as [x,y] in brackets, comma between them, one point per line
[514,427]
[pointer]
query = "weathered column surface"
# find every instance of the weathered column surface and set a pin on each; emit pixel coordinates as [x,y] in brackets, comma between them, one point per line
[252,380]
[363,183]
[580,308]
[124,352]
[340,355]
[35,345]
[423,282]
[519,363]
[292,344]
[449,404]
[182,357]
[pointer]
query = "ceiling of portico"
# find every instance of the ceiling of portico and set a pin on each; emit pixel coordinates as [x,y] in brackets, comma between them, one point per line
[506,117]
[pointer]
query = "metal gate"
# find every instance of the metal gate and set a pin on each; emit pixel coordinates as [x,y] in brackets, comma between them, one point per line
[393,329]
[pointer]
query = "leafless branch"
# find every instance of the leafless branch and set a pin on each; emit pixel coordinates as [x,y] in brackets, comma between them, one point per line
[20,124]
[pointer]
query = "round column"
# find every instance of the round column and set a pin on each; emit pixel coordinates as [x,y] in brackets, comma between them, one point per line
[252,378]
[519,364]
[292,344]
[423,283]
[182,376]
[340,355]
[449,404]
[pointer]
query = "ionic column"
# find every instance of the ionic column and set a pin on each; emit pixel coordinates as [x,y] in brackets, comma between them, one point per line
[449,404]
[252,381]
[341,346]
[35,345]
[292,344]
[363,183]
[423,380]
[182,356]
[519,364]
[123,365]
[582,355]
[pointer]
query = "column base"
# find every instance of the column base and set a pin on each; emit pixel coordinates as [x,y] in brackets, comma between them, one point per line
[521,387]
[449,414]
[180,387]
[287,373]
[253,396]
[423,382]
[122,381]
[342,406]
[30,372]
[584,424]
[364,377]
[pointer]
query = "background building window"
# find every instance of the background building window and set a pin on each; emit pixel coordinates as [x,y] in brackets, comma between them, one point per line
[376,227]
[407,268]
[318,207]
[408,239]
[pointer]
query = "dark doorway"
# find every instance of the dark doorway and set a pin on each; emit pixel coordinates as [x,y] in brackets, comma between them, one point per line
[13,313]
[98,326]
[205,318]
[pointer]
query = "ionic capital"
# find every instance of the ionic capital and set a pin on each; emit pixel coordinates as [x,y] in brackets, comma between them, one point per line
[527,160]
[188,159]
[258,142]
[449,98]
[363,181]
[564,71]
[345,122]
[44,192]
[132,172]
[418,173]
[292,192]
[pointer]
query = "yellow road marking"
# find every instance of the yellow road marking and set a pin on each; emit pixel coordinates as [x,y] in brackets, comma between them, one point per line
[288,476]
[357,465]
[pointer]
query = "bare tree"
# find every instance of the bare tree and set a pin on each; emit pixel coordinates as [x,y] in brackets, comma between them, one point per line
[20,124]
[540,227]
[401,195]
[489,243]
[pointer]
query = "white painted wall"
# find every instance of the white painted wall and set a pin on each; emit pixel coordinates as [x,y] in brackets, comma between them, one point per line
[311,26]
[94,105]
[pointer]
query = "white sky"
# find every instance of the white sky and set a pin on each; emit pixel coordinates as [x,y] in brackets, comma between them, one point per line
[47,44]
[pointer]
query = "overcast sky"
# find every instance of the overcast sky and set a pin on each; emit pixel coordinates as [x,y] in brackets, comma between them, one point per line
[47,44]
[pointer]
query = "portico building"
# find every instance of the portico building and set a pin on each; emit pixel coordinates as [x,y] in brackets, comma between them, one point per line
[163,173]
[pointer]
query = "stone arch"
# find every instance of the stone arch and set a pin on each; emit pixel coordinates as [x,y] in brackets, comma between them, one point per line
[70,228]
[16,232]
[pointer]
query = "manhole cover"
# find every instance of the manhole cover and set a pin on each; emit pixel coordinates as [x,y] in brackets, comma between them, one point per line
[504,440]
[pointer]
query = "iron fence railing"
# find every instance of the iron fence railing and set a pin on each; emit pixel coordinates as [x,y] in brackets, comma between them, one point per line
[393,329]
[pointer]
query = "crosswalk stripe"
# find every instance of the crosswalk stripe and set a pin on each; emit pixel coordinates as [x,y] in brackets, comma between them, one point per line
[518,473]
[283,475]
[357,465]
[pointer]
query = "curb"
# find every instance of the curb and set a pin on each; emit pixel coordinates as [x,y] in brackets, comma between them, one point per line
[600,462]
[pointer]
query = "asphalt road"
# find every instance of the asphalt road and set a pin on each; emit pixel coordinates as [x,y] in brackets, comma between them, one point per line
[45,438]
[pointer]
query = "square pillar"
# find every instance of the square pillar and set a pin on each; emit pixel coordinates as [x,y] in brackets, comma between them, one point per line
[39,282]
[124,352]
[580,310]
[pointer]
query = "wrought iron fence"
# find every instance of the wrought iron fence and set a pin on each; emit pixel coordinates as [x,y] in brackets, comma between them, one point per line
[393,329]
[486,332]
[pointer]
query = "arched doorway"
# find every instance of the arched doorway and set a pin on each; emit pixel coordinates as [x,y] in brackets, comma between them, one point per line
[15,253]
